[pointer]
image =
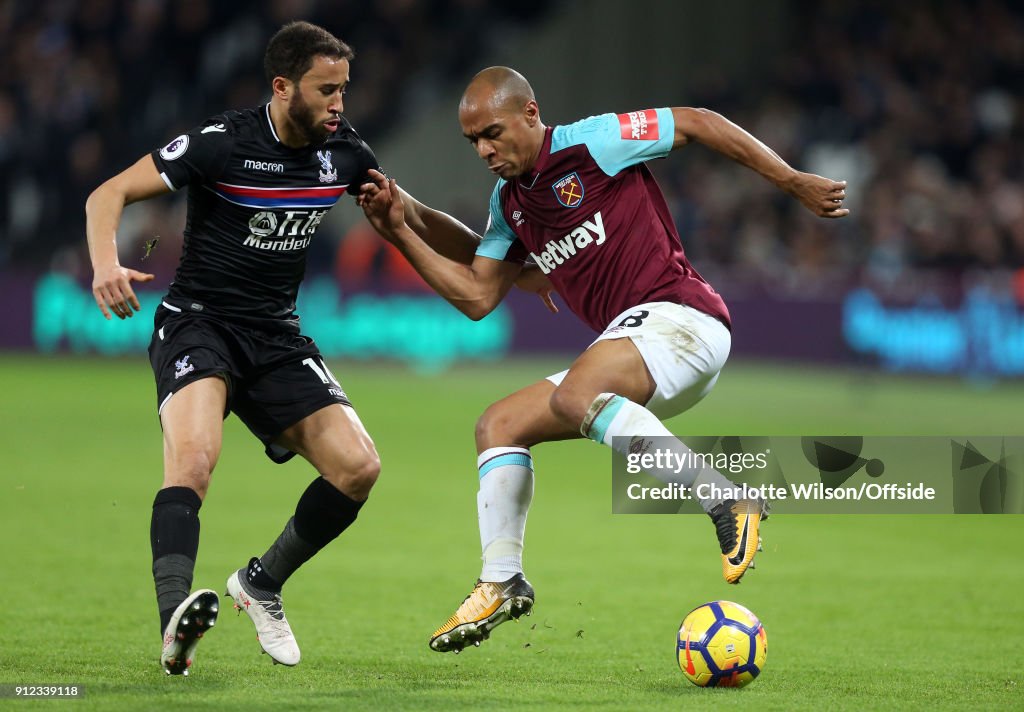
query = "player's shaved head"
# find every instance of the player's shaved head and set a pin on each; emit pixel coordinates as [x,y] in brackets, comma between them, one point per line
[500,87]
[499,115]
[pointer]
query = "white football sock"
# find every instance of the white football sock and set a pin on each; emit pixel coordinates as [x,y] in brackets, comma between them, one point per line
[506,490]
[612,416]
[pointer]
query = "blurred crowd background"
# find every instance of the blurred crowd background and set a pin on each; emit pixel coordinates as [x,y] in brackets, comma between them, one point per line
[919,105]
[93,84]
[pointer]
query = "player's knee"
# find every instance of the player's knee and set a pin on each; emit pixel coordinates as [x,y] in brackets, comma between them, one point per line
[569,405]
[496,428]
[368,471]
[191,468]
[357,477]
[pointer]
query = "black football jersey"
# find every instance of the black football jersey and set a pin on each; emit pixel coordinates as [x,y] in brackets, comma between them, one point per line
[254,205]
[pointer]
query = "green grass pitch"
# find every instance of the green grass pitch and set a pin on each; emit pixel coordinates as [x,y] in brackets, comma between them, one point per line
[862,612]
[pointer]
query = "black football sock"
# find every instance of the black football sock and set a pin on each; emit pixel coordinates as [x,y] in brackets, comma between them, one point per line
[174,537]
[322,514]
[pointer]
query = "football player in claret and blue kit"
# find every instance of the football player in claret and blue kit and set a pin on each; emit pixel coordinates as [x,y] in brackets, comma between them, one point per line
[226,337]
[579,202]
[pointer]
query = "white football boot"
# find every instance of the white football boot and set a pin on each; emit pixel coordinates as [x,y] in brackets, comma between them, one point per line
[266,611]
[192,618]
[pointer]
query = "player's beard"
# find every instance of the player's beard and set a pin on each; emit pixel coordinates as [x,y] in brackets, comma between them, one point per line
[302,116]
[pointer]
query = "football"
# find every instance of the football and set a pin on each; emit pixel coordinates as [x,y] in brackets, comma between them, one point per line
[721,644]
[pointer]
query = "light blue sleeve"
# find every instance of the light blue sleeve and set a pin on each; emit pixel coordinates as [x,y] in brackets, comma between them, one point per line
[498,236]
[603,136]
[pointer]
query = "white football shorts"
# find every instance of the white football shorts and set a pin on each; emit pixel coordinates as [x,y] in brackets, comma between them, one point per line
[684,350]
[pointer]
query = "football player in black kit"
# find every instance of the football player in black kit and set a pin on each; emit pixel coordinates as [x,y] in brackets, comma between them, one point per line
[226,336]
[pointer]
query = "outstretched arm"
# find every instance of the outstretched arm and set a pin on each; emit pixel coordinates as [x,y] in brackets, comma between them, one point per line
[822,196]
[111,283]
[475,289]
[443,233]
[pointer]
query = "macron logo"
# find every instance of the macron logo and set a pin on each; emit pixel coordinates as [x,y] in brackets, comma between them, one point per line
[263,166]
[556,252]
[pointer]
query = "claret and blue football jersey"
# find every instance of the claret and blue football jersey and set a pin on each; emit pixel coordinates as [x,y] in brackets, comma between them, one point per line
[593,218]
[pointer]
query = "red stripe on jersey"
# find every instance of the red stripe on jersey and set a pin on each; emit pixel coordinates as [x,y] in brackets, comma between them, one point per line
[332,191]
[639,125]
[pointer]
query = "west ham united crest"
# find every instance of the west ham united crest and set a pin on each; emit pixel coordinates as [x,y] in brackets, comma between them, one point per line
[569,190]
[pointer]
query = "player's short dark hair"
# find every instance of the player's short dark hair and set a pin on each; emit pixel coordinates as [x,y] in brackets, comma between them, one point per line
[291,50]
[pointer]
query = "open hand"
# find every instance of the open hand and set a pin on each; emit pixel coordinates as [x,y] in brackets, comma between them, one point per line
[112,288]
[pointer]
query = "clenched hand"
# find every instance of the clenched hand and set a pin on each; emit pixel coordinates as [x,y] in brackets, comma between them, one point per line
[822,196]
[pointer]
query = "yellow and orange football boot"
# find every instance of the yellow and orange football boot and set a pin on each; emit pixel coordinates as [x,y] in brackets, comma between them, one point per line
[484,609]
[737,524]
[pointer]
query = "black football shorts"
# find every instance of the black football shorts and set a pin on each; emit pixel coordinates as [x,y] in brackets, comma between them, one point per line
[274,379]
